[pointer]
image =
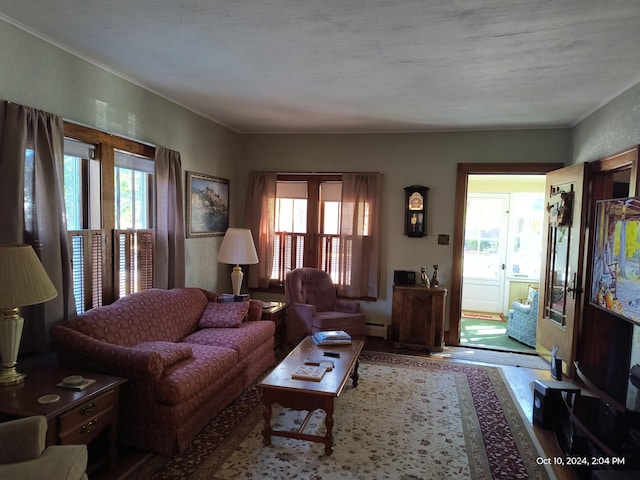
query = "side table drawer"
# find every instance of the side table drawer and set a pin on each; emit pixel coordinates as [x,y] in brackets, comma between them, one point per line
[86,421]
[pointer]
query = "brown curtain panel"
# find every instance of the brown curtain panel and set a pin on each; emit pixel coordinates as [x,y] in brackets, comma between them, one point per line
[359,260]
[260,218]
[170,255]
[33,211]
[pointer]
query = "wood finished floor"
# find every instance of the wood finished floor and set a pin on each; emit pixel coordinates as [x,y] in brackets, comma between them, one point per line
[520,380]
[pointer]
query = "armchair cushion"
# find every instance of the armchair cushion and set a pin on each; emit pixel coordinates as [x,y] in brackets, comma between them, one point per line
[223,315]
[23,453]
[22,439]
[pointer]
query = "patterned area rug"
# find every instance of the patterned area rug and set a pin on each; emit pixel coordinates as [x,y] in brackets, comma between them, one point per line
[496,317]
[409,418]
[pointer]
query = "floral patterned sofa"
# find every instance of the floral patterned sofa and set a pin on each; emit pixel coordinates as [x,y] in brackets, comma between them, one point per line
[185,356]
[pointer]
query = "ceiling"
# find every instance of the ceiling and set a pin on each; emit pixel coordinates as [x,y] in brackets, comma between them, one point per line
[287,66]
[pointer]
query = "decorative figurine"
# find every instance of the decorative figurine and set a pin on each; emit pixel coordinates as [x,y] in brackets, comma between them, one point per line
[434,279]
[425,277]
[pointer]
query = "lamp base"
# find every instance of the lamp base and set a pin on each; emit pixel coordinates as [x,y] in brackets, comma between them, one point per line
[10,376]
[236,280]
[10,333]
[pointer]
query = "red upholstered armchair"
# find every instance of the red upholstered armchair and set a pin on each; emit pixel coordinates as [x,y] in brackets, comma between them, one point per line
[313,306]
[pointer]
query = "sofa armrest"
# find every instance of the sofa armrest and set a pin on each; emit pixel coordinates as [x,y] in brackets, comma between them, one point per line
[211,296]
[347,306]
[105,357]
[22,439]
[255,310]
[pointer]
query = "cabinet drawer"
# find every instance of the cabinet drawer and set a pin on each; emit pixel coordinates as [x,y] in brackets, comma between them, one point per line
[86,421]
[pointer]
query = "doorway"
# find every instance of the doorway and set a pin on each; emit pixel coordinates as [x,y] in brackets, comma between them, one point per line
[502,258]
[464,173]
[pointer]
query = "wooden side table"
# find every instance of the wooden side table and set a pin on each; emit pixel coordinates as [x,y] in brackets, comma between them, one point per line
[417,317]
[78,417]
[277,313]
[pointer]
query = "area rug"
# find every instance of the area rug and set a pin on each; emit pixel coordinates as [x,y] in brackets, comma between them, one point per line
[409,418]
[482,355]
[496,317]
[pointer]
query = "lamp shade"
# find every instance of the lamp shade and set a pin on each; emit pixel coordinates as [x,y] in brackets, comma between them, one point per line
[237,247]
[23,279]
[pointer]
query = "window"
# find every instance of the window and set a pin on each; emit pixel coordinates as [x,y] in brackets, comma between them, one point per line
[307,224]
[525,234]
[108,190]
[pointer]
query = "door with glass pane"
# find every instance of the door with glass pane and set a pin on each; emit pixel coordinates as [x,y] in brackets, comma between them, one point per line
[561,281]
[485,248]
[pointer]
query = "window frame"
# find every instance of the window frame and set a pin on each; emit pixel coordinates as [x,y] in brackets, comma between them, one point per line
[105,146]
[312,252]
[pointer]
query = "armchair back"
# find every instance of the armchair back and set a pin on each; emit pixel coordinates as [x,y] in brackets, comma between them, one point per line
[310,286]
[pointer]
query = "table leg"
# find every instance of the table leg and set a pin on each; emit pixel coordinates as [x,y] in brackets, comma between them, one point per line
[354,375]
[328,423]
[266,431]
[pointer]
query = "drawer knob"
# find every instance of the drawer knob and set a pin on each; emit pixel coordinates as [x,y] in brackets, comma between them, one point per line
[89,426]
[88,408]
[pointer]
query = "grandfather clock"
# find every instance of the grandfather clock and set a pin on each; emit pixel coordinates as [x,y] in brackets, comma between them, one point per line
[415,219]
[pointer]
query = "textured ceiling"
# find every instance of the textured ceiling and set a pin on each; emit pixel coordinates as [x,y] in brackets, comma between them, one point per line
[358,65]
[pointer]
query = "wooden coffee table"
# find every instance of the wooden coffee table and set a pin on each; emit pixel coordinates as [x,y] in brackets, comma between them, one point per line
[278,387]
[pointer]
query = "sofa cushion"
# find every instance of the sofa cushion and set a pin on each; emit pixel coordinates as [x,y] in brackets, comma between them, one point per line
[221,315]
[244,339]
[184,379]
[169,352]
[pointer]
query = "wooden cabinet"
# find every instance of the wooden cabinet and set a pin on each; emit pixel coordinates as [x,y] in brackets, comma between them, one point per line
[417,318]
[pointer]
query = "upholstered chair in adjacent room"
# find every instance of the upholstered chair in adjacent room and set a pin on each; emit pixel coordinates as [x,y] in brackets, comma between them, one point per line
[23,453]
[313,306]
[523,320]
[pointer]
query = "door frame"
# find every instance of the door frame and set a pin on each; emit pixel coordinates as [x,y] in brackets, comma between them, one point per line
[462,180]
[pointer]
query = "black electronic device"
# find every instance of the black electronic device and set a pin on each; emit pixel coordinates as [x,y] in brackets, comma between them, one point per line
[331,354]
[404,277]
[547,400]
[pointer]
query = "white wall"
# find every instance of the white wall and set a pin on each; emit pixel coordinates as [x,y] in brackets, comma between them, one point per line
[613,128]
[40,75]
[428,159]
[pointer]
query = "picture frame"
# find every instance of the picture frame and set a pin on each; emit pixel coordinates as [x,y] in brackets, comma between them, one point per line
[207,205]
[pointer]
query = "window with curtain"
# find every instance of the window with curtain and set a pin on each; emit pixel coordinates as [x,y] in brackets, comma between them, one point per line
[108,193]
[316,222]
[307,225]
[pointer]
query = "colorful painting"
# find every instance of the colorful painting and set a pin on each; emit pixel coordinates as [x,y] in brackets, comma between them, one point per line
[207,205]
[615,282]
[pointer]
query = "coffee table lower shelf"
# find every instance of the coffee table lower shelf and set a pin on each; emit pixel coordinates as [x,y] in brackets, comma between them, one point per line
[298,401]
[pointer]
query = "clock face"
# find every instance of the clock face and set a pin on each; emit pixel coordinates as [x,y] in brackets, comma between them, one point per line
[416,202]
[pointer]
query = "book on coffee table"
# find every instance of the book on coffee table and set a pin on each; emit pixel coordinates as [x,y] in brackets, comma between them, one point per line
[309,372]
[335,337]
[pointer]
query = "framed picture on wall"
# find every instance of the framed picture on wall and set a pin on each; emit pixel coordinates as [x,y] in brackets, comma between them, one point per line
[207,205]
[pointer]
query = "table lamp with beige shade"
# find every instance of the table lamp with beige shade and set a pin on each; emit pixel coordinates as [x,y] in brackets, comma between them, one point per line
[237,249]
[23,281]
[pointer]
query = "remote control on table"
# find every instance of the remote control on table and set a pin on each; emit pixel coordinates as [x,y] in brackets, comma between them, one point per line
[331,354]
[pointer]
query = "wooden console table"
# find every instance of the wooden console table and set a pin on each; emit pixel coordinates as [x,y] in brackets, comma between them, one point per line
[417,317]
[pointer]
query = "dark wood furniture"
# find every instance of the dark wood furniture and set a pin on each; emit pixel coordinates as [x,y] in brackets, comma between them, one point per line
[277,313]
[278,387]
[78,417]
[417,318]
